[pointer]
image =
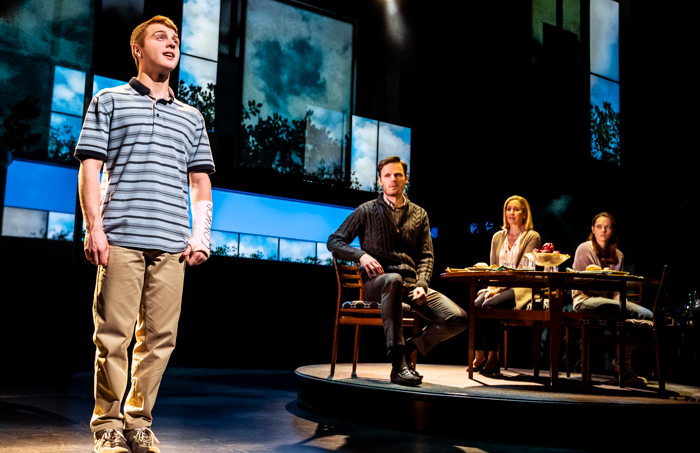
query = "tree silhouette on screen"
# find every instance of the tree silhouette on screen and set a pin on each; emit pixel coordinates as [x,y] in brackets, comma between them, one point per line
[277,144]
[203,99]
[605,133]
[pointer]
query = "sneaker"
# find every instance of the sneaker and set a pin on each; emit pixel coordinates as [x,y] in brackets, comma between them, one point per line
[111,440]
[142,440]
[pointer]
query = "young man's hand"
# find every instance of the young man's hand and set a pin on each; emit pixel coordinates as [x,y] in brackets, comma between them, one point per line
[371,266]
[195,258]
[96,247]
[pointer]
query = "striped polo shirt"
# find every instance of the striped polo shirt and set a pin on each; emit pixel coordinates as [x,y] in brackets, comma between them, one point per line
[148,148]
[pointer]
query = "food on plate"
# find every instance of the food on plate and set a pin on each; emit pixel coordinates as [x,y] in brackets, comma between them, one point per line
[593,267]
[481,265]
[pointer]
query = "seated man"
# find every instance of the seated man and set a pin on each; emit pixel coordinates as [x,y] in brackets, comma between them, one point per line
[397,262]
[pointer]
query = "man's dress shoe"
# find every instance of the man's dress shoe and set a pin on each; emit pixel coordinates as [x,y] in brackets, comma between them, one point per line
[412,368]
[405,377]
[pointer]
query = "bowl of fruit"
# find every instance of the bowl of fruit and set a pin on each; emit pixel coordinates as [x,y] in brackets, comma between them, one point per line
[547,256]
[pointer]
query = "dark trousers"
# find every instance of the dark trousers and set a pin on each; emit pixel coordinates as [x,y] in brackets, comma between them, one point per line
[488,331]
[448,319]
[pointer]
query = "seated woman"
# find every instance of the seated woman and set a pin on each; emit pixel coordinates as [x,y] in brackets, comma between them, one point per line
[516,238]
[600,249]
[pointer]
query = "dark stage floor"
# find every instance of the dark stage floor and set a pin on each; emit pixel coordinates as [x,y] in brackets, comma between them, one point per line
[207,410]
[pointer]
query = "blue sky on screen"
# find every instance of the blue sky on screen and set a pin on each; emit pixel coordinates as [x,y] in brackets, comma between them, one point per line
[60,223]
[200,28]
[254,244]
[335,123]
[277,217]
[605,90]
[394,140]
[605,37]
[296,250]
[195,71]
[224,239]
[68,91]
[322,252]
[364,151]
[46,187]
[100,83]
[295,58]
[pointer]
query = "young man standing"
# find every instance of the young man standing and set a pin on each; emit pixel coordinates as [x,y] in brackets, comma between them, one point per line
[396,255]
[147,145]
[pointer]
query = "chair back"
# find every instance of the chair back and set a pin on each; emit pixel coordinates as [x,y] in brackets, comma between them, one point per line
[661,293]
[348,276]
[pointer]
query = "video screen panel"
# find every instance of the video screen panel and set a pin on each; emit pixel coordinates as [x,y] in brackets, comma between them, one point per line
[297,92]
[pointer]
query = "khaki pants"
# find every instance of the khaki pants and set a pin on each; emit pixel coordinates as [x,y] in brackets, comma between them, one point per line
[141,288]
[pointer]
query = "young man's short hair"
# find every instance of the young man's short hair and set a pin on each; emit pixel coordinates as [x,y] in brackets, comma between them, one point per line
[138,35]
[392,160]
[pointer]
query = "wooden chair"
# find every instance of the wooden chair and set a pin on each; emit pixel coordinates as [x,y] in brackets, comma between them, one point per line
[537,329]
[573,320]
[364,313]
[646,333]
[537,319]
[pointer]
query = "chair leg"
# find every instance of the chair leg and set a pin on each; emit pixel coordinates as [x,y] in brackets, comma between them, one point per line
[356,351]
[659,372]
[334,354]
[568,362]
[536,340]
[416,331]
[585,376]
[505,348]
[621,358]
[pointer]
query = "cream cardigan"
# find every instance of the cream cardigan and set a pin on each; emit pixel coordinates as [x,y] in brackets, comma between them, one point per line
[529,241]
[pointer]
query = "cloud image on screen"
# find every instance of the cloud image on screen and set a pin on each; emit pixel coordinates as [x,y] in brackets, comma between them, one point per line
[297,251]
[364,152]
[394,141]
[68,91]
[258,247]
[297,73]
[200,28]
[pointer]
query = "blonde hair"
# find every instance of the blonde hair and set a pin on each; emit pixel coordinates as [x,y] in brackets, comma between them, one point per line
[525,206]
[137,36]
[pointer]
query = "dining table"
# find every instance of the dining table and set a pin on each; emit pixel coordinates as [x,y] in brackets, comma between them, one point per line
[557,282]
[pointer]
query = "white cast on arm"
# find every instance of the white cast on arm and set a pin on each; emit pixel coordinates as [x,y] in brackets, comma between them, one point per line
[201,226]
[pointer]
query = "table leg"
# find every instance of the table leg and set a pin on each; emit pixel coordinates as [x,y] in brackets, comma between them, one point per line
[623,300]
[556,304]
[472,329]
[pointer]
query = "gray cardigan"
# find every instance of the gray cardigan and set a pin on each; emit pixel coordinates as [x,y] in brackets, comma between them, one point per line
[585,255]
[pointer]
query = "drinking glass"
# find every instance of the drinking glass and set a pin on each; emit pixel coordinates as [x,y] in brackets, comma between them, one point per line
[527,263]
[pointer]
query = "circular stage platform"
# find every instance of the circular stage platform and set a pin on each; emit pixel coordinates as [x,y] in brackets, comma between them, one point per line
[514,404]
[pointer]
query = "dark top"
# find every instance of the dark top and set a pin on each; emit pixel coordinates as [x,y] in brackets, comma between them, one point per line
[406,248]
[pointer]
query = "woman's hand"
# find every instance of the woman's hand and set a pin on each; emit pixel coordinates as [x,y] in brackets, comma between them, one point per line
[492,292]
